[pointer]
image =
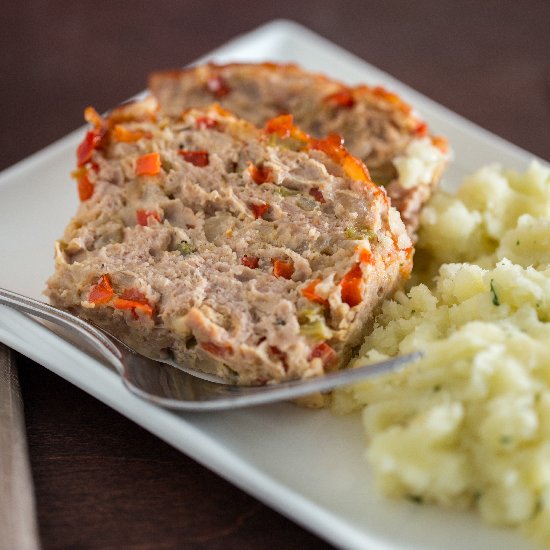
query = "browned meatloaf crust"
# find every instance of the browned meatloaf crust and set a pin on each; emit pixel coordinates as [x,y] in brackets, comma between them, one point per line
[255,254]
[377,125]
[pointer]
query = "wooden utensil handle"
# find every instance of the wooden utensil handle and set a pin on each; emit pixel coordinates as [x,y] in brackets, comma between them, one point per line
[17,509]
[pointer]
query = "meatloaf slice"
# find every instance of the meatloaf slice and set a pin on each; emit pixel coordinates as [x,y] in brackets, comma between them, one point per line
[257,255]
[378,127]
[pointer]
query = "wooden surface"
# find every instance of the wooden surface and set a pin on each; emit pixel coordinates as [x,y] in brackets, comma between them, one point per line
[102,482]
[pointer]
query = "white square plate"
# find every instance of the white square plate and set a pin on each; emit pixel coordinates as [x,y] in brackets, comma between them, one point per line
[309,465]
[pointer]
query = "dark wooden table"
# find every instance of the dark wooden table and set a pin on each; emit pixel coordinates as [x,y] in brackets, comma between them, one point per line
[101,481]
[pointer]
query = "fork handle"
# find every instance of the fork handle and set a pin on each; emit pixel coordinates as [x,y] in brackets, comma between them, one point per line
[73,324]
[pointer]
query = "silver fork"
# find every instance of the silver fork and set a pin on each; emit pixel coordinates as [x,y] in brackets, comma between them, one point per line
[168,385]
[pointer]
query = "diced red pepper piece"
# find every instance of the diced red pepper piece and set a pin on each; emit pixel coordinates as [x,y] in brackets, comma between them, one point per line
[316,193]
[259,209]
[343,98]
[282,269]
[259,174]
[272,66]
[215,349]
[333,147]
[94,118]
[406,268]
[327,355]
[143,216]
[85,187]
[365,256]
[102,291]
[280,125]
[197,158]
[356,169]
[351,286]
[309,292]
[148,165]
[421,129]
[121,134]
[217,86]
[205,123]
[91,141]
[250,261]
[390,97]
[441,143]
[283,126]
[133,306]
[133,300]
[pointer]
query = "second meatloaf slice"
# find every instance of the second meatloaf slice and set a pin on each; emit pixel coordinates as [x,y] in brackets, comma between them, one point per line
[378,127]
[257,255]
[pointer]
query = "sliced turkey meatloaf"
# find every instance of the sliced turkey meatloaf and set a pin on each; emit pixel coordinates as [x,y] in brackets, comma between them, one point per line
[257,255]
[377,125]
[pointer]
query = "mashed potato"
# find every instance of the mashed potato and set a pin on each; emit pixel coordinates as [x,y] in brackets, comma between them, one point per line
[469,424]
[488,219]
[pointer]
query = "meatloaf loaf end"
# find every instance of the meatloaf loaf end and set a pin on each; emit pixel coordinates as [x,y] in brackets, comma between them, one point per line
[257,255]
[378,127]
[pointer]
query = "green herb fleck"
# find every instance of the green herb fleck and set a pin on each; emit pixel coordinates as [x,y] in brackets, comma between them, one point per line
[494,294]
[505,440]
[517,243]
[437,388]
[313,325]
[538,507]
[357,234]
[186,248]
[417,499]
[286,192]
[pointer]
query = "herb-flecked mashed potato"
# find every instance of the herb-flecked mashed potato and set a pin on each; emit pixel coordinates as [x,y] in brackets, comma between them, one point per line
[469,424]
